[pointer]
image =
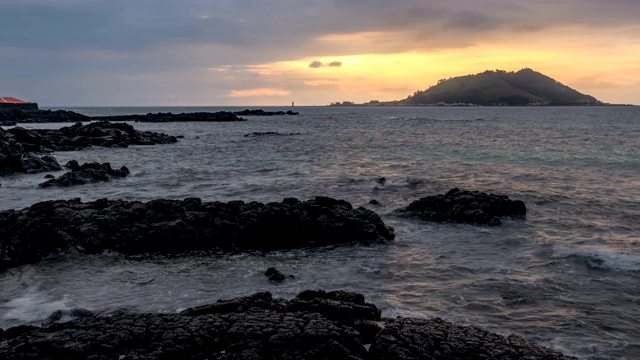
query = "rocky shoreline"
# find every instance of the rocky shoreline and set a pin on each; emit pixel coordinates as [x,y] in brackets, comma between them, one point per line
[12,117]
[314,325]
[86,173]
[468,207]
[220,116]
[174,226]
[260,112]
[19,146]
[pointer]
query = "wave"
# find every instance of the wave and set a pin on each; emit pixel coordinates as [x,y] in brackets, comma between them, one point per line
[599,258]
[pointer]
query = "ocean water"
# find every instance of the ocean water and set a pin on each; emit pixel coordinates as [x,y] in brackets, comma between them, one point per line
[568,276]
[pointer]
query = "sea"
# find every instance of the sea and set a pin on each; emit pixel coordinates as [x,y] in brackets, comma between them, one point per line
[568,276]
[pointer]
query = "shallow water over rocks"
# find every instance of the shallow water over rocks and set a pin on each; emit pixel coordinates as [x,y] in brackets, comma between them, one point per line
[567,276]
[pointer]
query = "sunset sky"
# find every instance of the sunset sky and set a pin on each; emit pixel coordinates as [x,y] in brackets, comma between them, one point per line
[273,52]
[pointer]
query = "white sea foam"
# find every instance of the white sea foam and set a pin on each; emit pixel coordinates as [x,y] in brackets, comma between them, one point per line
[31,306]
[600,258]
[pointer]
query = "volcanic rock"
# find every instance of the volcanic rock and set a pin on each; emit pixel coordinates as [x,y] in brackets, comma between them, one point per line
[173,226]
[8,116]
[18,145]
[460,206]
[169,117]
[269,133]
[85,174]
[404,339]
[260,112]
[313,325]
[274,275]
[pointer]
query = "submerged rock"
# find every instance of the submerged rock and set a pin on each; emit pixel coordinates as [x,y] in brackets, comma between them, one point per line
[269,133]
[171,226]
[471,207]
[274,275]
[85,174]
[313,325]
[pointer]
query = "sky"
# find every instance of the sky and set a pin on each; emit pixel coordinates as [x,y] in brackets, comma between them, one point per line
[274,52]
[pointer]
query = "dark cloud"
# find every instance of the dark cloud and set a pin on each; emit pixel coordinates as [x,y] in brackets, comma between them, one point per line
[67,42]
[335,63]
[315,64]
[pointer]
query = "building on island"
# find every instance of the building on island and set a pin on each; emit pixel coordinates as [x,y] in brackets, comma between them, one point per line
[8,102]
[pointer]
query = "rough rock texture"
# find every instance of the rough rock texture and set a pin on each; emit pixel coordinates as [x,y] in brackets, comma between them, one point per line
[12,162]
[18,144]
[9,117]
[260,112]
[171,226]
[437,339]
[313,325]
[85,174]
[269,133]
[274,275]
[471,207]
[169,117]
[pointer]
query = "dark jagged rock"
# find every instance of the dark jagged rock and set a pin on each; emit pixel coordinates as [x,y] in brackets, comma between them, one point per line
[85,174]
[374,202]
[18,144]
[274,275]
[404,339]
[30,163]
[171,226]
[314,325]
[8,116]
[260,112]
[169,117]
[269,133]
[471,207]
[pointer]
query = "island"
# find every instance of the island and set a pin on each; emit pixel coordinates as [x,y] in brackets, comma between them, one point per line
[493,88]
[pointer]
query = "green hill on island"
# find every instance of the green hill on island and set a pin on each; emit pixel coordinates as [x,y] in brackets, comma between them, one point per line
[525,87]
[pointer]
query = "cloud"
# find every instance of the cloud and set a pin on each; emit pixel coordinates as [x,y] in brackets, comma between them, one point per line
[48,48]
[318,64]
[258,92]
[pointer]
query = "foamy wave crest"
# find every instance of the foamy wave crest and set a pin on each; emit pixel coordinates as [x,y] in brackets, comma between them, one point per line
[600,258]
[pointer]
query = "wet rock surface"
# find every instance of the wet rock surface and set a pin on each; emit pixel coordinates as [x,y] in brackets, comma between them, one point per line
[173,226]
[9,117]
[404,338]
[313,325]
[86,173]
[276,276]
[260,112]
[461,206]
[18,145]
[270,133]
[169,117]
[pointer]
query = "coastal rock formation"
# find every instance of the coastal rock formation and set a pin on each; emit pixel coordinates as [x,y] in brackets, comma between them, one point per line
[470,207]
[172,226]
[169,117]
[274,275]
[313,325]
[269,133]
[18,144]
[404,339]
[11,116]
[260,112]
[28,163]
[85,174]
